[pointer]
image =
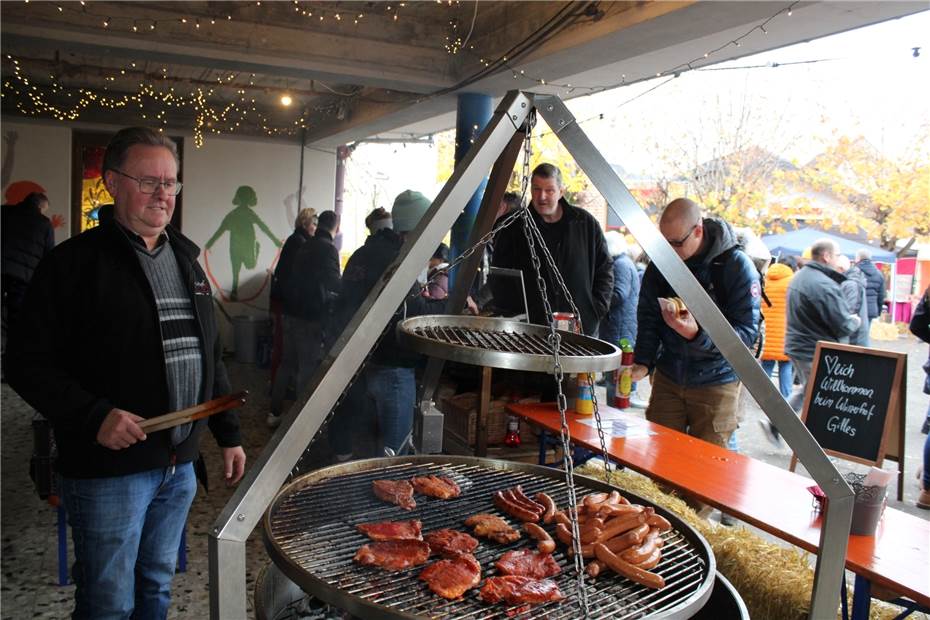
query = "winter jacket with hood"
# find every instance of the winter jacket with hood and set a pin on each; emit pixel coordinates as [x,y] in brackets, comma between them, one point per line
[698,362]
[875,289]
[621,318]
[854,291]
[777,279]
[817,310]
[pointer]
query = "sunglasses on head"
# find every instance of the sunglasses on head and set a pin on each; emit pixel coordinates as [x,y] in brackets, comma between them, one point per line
[677,243]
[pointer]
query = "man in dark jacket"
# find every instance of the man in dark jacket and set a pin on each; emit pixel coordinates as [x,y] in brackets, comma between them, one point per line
[306,294]
[875,289]
[118,326]
[27,237]
[694,389]
[387,384]
[817,310]
[577,245]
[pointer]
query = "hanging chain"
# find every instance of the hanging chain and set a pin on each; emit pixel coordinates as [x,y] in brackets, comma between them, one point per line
[568,296]
[555,341]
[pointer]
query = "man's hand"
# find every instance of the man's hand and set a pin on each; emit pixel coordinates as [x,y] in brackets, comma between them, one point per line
[120,429]
[233,464]
[470,306]
[639,372]
[681,321]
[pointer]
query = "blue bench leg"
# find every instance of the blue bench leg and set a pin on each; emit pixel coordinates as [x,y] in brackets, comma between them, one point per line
[62,546]
[862,599]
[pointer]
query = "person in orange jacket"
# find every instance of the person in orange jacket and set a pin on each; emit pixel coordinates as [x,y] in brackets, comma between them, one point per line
[777,278]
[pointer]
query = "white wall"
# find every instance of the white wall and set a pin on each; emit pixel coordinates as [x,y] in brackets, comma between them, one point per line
[42,154]
[211,176]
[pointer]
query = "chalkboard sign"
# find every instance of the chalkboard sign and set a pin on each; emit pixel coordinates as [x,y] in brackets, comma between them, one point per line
[853,396]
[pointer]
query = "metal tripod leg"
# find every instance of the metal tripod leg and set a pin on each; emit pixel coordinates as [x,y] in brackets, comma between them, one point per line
[243,511]
[465,274]
[835,532]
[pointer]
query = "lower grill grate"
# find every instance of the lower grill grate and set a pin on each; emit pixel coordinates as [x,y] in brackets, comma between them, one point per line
[310,533]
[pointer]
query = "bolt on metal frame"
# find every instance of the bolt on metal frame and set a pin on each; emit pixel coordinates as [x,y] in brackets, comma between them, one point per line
[264,479]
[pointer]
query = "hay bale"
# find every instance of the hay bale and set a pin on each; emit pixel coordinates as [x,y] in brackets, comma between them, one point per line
[774,581]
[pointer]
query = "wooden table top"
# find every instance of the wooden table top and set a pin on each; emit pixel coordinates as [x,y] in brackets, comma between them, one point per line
[772,499]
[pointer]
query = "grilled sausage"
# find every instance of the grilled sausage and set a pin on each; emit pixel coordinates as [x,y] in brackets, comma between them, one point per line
[639,553]
[621,525]
[631,572]
[594,568]
[613,510]
[652,561]
[659,522]
[521,497]
[629,539]
[527,504]
[564,534]
[548,504]
[592,500]
[509,507]
[545,543]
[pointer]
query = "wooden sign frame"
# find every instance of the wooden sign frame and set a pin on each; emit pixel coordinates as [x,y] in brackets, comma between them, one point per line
[892,441]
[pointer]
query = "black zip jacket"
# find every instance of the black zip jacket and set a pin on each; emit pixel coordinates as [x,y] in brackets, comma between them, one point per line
[581,257]
[285,268]
[89,341]
[314,278]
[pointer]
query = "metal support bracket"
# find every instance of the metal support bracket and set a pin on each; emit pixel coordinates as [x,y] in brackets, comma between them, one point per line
[834,534]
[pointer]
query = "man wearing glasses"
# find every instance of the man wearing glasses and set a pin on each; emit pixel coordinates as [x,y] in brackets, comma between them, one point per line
[118,326]
[694,388]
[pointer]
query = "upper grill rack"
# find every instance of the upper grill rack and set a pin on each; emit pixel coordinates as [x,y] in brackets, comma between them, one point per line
[310,534]
[504,343]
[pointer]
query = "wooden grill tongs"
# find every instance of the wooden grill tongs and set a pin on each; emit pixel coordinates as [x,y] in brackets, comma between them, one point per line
[197,412]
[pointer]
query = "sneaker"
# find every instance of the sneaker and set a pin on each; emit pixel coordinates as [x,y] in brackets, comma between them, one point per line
[923,500]
[771,433]
[272,420]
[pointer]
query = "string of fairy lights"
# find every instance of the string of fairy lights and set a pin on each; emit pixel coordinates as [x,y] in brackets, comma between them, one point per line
[155,102]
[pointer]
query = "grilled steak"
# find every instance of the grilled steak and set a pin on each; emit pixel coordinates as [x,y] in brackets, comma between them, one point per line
[515,590]
[449,542]
[398,492]
[436,486]
[527,563]
[453,577]
[493,528]
[393,554]
[392,530]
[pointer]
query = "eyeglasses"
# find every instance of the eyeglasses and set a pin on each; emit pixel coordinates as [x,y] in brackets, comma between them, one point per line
[148,185]
[677,243]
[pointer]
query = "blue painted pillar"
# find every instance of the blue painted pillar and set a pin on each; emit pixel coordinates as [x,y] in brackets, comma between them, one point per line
[473,113]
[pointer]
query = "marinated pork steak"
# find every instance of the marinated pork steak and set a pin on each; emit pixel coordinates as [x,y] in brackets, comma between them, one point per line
[393,554]
[398,492]
[528,563]
[436,486]
[449,543]
[493,528]
[453,577]
[516,590]
[392,530]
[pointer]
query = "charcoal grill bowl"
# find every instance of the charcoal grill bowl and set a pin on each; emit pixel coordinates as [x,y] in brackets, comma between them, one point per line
[500,474]
[504,343]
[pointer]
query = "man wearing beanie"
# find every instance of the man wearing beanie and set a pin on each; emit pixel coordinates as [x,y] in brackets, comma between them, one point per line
[387,387]
[577,245]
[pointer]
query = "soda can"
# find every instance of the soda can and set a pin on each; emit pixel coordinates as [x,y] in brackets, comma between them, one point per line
[565,321]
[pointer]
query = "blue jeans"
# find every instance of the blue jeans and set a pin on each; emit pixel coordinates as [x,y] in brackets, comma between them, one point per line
[785,375]
[126,533]
[393,391]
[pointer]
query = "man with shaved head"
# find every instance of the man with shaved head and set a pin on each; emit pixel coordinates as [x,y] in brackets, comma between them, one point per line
[695,390]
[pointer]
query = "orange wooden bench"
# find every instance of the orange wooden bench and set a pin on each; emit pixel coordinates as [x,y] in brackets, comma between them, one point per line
[772,499]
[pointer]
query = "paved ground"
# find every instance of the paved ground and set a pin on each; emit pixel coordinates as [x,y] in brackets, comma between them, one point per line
[28,588]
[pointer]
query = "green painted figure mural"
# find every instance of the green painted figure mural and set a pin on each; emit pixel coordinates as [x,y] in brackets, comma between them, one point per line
[243,246]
